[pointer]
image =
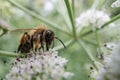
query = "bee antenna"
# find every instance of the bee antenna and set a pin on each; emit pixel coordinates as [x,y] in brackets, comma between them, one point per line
[60,41]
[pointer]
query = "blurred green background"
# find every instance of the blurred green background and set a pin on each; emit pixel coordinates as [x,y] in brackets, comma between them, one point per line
[55,11]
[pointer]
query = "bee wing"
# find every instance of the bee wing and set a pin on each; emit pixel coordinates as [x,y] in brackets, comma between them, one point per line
[27,29]
[21,30]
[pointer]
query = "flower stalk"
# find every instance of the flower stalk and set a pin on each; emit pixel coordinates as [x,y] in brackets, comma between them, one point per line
[70,13]
[97,39]
[73,7]
[10,54]
[88,53]
[111,21]
[4,26]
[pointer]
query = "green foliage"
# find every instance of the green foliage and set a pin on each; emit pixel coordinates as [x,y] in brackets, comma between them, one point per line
[81,46]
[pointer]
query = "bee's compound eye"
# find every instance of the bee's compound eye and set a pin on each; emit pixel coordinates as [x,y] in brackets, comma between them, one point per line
[49,35]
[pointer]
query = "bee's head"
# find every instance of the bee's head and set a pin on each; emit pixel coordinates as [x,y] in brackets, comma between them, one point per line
[49,36]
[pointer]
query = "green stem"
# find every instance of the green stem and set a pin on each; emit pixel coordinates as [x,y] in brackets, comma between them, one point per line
[90,41]
[112,20]
[4,26]
[33,14]
[103,26]
[5,30]
[2,34]
[90,56]
[9,54]
[71,17]
[98,42]
[73,7]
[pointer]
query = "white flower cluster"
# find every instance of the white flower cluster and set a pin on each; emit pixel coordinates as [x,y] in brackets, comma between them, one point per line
[111,69]
[92,18]
[110,45]
[47,66]
[49,6]
[116,3]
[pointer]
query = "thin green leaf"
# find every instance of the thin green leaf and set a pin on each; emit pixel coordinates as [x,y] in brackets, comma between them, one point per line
[90,41]
[5,30]
[2,34]
[98,42]
[90,56]
[9,54]
[71,17]
[73,7]
[111,21]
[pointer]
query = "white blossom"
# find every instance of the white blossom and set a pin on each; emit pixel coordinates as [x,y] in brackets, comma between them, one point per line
[101,73]
[110,45]
[116,3]
[47,65]
[92,18]
[111,69]
[49,6]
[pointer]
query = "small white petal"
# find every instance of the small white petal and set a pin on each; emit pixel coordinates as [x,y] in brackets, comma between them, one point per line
[116,3]
[111,69]
[91,18]
[68,75]
[47,65]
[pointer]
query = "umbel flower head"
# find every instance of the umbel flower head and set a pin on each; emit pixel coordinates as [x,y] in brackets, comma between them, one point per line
[46,66]
[92,17]
[111,69]
[116,3]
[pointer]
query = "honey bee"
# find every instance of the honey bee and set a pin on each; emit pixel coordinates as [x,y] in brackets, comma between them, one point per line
[37,39]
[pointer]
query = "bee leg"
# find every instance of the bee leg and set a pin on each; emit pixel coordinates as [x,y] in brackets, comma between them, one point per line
[42,47]
[53,43]
[47,47]
[19,48]
[31,41]
[36,47]
[41,42]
